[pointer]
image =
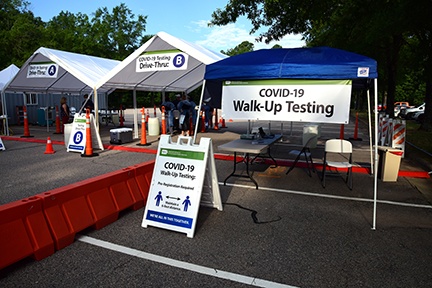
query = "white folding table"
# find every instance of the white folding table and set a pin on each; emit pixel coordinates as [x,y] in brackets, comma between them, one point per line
[258,147]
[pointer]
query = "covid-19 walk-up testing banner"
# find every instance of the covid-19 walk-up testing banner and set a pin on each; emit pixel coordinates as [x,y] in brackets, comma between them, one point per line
[325,101]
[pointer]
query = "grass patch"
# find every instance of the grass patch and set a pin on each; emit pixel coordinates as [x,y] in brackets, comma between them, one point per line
[418,138]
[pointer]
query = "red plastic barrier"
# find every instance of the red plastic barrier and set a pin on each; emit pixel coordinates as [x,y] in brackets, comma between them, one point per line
[24,232]
[119,188]
[67,212]
[100,200]
[49,221]
[143,176]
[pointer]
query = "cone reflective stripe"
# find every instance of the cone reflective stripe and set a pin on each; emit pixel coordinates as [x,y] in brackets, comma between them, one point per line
[143,141]
[26,124]
[164,130]
[49,148]
[89,145]
[58,128]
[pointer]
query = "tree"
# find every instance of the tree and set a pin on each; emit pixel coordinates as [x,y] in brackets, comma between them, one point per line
[243,47]
[69,32]
[117,35]
[378,29]
[19,32]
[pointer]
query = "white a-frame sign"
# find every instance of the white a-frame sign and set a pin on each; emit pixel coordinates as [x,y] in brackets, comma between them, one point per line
[184,177]
[77,138]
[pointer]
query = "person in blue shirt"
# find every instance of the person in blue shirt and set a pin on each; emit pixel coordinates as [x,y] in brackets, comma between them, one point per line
[169,113]
[184,107]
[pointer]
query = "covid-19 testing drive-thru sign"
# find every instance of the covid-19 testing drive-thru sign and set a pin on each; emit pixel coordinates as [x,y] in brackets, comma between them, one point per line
[77,138]
[184,175]
[325,101]
[162,61]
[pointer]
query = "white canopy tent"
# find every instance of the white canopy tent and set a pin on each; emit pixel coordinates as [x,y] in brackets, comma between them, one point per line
[6,76]
[55,71]
[128,76]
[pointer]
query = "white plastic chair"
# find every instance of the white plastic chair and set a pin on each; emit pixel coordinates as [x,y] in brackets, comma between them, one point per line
[311,142]
[342,148]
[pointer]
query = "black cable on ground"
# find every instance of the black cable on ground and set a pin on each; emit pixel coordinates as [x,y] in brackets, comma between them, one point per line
[254,214]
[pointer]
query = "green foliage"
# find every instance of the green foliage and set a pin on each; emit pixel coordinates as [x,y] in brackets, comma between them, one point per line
[243,47]
[116,33]
[112,35]
[20,32]
[395,33]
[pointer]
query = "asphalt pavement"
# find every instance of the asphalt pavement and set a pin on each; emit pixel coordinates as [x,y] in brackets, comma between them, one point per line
[291,232]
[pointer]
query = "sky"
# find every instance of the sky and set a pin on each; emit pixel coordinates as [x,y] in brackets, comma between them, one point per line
[186,20]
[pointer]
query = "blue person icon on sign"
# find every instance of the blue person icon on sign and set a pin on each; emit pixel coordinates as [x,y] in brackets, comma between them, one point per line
[158,198]
[186,203]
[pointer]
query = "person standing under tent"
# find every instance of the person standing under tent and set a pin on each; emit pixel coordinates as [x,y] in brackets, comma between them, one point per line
[87,103]
[184,107]
[64,113]
[208,112]
[169,113]
[176,112]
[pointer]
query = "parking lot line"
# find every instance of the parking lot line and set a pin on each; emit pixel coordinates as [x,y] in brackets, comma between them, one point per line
[181,264]
[412,205]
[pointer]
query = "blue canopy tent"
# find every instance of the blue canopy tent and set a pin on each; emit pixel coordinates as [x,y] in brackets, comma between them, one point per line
[296,63]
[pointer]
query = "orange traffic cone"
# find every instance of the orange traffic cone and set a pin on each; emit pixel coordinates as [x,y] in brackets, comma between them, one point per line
[216,124]
[143,129]
[58,129]
[356,138]
[89,145]
[222,122]
[164,130]
[49,148]
[26,124]
[203,128]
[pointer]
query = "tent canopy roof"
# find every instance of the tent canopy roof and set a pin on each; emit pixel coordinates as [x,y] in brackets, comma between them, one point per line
[124,76]
[77,72]
[295,63]
[7,74]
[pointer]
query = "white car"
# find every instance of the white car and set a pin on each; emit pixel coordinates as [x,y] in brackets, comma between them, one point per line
[409,112]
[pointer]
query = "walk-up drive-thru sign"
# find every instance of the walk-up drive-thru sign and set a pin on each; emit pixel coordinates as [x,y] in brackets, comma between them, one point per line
[184,177]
